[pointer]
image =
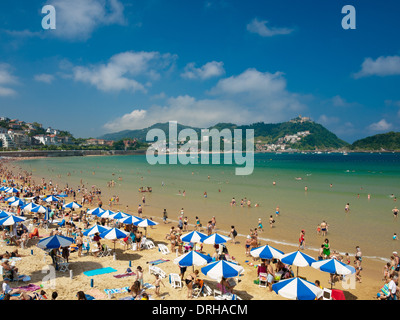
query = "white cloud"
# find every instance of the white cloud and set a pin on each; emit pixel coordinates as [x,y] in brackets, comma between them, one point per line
[382,125]
[209,70]
[247,98]
[6,79]
[123,71]
[261,28]
[77,19]
[382,66]
[44,77]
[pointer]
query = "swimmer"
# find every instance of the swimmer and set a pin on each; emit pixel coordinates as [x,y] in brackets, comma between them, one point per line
[260,226]
[395,236]
[277,211]
[324,228]
[347,207]
[395,212]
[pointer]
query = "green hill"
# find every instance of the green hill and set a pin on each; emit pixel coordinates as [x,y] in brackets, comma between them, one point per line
[380,142]
[318,138]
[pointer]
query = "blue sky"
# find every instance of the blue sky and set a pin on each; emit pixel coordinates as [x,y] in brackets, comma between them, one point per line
[112,65]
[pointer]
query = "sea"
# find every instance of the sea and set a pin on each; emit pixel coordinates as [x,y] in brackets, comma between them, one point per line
[368,182]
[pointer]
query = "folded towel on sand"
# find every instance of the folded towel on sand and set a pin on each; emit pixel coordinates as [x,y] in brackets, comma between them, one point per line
[158,261]
[117,290]
[96,272]
[29,287]
[148,286]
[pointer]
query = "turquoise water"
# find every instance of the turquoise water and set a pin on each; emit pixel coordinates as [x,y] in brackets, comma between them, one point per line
[369,224]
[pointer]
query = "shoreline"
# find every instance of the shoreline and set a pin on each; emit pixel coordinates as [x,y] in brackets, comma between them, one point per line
[38,154]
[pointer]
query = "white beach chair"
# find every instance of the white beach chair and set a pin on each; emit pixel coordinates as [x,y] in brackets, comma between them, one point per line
[163,248]
[207,291]
[157,270]
[63,265]
[218,295]
[106,252]
[148,244]
[175,280]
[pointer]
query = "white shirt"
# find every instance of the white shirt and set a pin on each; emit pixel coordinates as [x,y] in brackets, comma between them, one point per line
[6,288]
[392,287]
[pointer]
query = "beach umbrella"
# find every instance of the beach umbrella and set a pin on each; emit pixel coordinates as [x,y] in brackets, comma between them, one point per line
[17,203]
[216,239]
[114,234]
[106,214]
[4,214]
[93,230]
[72,205]
[130,220]
[333,266]
[28,207]
[11,220]
[118,216]
[297,289]
[51,199]
[2,188]
[192,258]
[193,237]
[222,269]
[11,190]
[266,252]
[11,199]
[144,224]
[298,259]
[55,242]
[95,211]
[39,209]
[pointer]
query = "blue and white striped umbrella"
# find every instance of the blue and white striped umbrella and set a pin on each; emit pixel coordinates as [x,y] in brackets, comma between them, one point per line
[55,242]
[95,211]
[113,234]
[17,203]
[4,214]
[333,266]
[298,259]
[119,215]
[11,199]
[106,214]
[11,190]
[39,209]
[28,207]
[216,239]
[222,269]
[145,223]
[192,258]
[95,229]
[266,252]
[193,237]
[2,188]
[72,205]
[11,220]
[297,289]
[51,199]
[130,220]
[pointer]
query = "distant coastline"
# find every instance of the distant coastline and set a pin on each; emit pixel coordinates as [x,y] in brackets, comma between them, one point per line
[81,153]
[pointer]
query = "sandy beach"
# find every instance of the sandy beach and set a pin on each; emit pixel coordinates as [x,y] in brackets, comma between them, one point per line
[35,260]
